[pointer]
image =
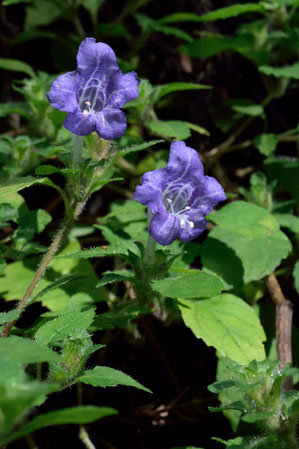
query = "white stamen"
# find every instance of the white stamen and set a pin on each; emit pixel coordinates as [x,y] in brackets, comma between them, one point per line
[191,224]
[88,103]
[85,112]
[182,223]
[169,200]
[187,208]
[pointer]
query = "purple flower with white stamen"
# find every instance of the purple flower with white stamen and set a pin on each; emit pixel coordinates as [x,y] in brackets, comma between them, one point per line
[94,93]
[179,196]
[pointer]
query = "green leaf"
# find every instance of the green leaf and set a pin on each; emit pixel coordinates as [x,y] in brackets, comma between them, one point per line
[246,107]
[6,317]
[116,276]
[212,44]
[18,184]
[82,414]
[16,107]
[290,71]
[288,221]
[180,17]
[42,12]
[101,251]
[162,90]
[170,128]
[14,2]
[134,148]
[46,170]
[259,416]
[232,11]
[93,6]
[64,326]
[22,350]
[253,235]
[228,324]
[296,276]
[173,31]
[266,143]
[16,66]
[193,284]
[103,376]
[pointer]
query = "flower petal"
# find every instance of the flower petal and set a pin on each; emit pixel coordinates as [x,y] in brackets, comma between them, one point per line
[110,123]
[122,88]
[186,233]
[164,228]
[208,195]
[184,162]
[96,57]
[79,124]
[149,196]
[62,94]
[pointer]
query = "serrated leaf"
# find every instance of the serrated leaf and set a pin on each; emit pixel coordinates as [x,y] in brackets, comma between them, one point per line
[290,71]
[16,66]
[94,252]
[22,350]
[64,326]
[104,376]
[232,11]
[266,143]
[193,284]
[253,235]
[6,317]
[170,128]
[18,184]
[228,324]
[82,414]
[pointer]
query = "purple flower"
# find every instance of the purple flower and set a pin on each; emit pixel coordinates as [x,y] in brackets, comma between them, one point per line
[179,196]
[94,93]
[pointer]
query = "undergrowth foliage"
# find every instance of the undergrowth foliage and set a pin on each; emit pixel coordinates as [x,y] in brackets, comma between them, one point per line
[112,223]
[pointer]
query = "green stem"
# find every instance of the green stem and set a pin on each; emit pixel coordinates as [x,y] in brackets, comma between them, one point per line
[78,142]
[149,254]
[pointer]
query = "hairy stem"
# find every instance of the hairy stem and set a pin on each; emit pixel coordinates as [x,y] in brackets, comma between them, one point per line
[58,239]
[78,142]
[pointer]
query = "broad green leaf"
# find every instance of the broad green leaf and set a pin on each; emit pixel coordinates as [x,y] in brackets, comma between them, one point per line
[6,317]
[18,276]
[64,326]
[290,71]
[286,172]
[14,108]
[228,324]
[18,184]
[81,414]
[103,376]
[232,11]
[193,284]
[296,275]
[22,350]
[266,143]
[288,221]
[162,90]
[253,235]
[16,66]
[170,128]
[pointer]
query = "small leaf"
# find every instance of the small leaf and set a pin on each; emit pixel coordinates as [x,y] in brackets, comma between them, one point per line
[170,128]
[103,376]
[228,324]
[266,143]
[64,326]
[232,11]
[288,221]
[14,108]
[255,417]
[16,66]
[115,276]
[46,170]
[212,44]
[291,71]
[22,350]
[193,284]
[162,90]
[101,251]
[82,414]
[253,110]
[6,317]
